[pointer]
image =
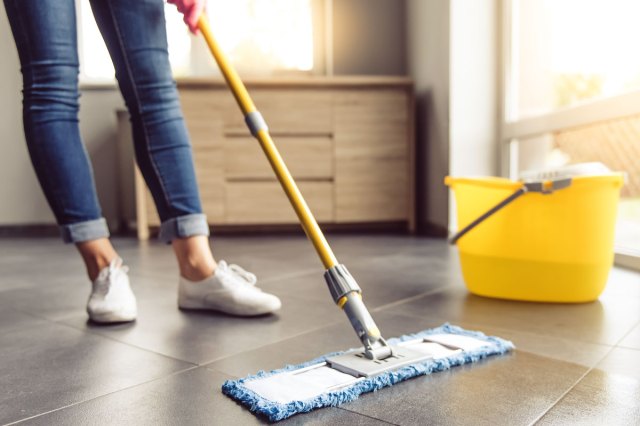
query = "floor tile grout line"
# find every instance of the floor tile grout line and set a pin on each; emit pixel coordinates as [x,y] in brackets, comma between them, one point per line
[564,394]
[483,324]
[26,327]
[377,309]
[193,367]
[124,343]
[367,416]
[308,271]
[589,369]
[357,261]
[287,276]
[592,368]
[633,327]
[207,364]
[294,336]
[408,299]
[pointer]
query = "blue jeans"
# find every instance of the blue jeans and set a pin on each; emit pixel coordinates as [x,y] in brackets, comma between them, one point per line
[135,34]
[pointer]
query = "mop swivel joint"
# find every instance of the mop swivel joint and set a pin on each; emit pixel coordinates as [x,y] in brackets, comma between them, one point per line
[347,295]
[340,282]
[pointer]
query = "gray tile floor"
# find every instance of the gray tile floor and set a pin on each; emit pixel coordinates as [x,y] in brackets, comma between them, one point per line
[574,363]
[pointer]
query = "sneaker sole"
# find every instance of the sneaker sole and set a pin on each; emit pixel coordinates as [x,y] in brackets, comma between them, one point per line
[198,306]
[110,318]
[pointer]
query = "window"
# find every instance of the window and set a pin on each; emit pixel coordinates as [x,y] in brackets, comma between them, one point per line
[572,94]
[265,36]
[95,63]
[566,52]
[261,37]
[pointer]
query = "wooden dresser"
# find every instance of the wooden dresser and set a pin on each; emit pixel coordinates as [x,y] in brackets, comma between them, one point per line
[348,142]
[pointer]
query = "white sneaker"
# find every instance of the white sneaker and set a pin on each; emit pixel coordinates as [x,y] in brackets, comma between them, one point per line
[230,289]
[111,298]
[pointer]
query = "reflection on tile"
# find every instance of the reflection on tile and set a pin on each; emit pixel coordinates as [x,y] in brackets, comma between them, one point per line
[47,367]
[509,389]
[11,320]
[44,258]
[632,340]
[332,416]
[268,257]
[563,349]
[63,299]
[622,284]
[52,301]
[201,337]
[378,287]
[622,361]
[488,392]
[192,398]
[305,347]
[596,322]
[383,280]
[598,399]
[355,247]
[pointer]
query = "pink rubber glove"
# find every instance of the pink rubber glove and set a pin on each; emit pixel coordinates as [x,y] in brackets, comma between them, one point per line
[191,9]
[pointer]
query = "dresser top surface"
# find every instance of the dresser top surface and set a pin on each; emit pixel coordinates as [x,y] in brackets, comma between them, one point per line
[298,82]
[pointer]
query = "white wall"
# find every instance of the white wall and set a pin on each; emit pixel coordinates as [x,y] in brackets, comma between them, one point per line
[453,57]
[369,37]
[474,108]
[428,27]
[474,88]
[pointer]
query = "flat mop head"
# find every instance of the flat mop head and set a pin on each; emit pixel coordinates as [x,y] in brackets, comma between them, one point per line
[336,378]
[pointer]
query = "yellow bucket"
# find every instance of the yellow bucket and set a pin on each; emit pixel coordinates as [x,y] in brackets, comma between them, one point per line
[555,247]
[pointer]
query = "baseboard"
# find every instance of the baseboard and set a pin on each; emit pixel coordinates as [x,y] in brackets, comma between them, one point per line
[429,229]
[396,228]
[29,231]
[628,259]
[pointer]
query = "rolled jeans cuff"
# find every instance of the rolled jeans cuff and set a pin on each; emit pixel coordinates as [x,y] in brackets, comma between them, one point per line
[85,231]
[183,227]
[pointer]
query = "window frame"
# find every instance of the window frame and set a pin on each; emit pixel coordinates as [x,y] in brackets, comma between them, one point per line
[510,128]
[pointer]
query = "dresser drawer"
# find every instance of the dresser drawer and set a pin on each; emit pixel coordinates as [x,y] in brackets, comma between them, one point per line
[307,157]
[286,112]
[266,202]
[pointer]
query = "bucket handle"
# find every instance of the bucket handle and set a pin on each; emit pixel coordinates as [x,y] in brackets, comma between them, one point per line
[542,187]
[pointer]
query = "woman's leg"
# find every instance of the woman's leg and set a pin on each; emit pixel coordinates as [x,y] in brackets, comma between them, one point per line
[194,256]
[135,33]
[97,255]
[45,36]
[136,37]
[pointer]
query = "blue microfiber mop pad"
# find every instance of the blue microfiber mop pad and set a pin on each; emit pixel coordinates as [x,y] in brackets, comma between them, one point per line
[275,411]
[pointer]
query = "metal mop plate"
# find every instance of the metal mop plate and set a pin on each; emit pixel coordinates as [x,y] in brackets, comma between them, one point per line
[356,364]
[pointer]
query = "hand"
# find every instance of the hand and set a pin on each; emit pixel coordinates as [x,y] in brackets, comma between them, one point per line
[191,9]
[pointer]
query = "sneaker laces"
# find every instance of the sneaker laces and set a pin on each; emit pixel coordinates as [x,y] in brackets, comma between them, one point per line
[246,276]
[108,275]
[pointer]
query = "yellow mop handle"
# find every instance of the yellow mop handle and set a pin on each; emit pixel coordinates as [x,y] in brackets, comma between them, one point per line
[248,108]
